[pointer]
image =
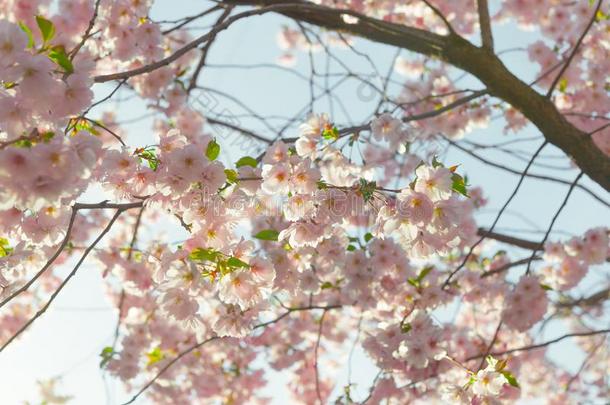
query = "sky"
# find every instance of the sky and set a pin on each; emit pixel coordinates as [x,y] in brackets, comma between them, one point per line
[66,341]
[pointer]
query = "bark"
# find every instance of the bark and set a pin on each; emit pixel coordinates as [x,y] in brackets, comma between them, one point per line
[479,62]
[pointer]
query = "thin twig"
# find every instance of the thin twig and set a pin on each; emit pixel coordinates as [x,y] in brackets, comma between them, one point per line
[543,344]
[574,50]
[87,34]
[168,365]
[65,282]
[493,225]
[315,364]
[548,231]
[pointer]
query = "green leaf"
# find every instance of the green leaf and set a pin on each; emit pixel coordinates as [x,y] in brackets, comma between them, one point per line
[150,156]
[154,356]
[491,361]
[28,32]
[106,355]
[321,185]
[331,134]
[47,136]
[351,248]
[510,378]
[459,185]
[367,189]
[235,262]
[47,29]
[563,85]
[231,176]
[326,285]
[413,281]
[406,327]
[267,234]
[501,365]
[246,161]
[425,271]
[368,236]
[213,150]
[202,254]
[58,55]
[416,282]
[5,249]
[436,163]
[546,287]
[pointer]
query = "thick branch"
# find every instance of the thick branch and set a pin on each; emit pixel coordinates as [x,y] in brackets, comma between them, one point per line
[485,25]
[479,62]
[511,240]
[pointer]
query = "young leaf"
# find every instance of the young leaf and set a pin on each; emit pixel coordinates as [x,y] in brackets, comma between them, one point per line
[330,133]
[459,185]
[368,236]
[28,32]
[510,379]
[5,249]
[246,161]
[326,285]
[106,355]
[413,281]
[367,189]
[231,176]
[154,356]
[235,262]
[47,29]
[213,150]
[58,55]
[267,234]
[202,254]
[436,163]
[425,271]
[351,248]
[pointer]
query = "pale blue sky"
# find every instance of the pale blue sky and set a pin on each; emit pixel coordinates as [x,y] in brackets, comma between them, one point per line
[67,339]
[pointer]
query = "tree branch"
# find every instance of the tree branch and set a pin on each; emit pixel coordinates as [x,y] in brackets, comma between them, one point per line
[566,65]
[64,242]
[543,344]
[168,365]
[65,282]
[485,25]
[479,62]
[206,50]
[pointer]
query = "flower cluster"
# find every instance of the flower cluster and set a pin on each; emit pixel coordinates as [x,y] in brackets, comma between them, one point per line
[569,262]
[525,305]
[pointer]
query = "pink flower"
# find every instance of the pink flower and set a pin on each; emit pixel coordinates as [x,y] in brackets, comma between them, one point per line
[302,234]
[179,304]
[488,382]
[416,207]
[386,127]
[525,305]
[76,95]
[304,177]
[276,179]
[435,182]
[12,43]
[245,288]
